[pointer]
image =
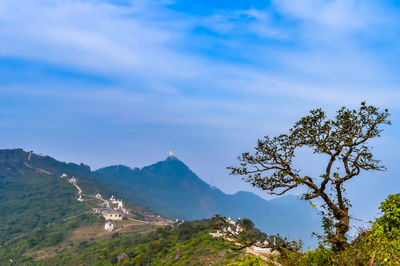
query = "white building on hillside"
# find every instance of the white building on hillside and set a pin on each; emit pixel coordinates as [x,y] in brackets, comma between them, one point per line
[108,226]
[110,214]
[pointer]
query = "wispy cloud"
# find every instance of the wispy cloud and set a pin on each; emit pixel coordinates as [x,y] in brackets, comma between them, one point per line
[147,44]
[236,74]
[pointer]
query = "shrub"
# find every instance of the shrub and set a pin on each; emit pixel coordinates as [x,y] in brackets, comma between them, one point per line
[384,241]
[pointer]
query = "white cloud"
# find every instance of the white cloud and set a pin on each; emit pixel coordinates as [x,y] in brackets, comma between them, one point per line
[342,15]
[142,45]
[256,74]
[114,40]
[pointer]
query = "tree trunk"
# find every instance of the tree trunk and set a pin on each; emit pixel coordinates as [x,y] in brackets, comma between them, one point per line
[339,241]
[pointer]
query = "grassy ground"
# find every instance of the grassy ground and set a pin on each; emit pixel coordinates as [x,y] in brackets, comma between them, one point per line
[92,233]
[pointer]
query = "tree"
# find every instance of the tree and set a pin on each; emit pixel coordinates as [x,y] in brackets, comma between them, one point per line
[243,232]
[344,140]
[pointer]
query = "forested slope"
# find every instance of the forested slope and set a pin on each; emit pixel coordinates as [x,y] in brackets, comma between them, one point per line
[37,207]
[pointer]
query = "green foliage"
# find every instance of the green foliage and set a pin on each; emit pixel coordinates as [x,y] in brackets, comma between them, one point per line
[384,239]
[188,244]
[42,237]
[343,140]
[380,244]
[248,261]
[33,202]
[37,208]
[319,256]
[243,231]
[328,233]
[389,223]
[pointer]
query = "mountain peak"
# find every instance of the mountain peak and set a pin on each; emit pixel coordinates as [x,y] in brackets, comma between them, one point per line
[171,156]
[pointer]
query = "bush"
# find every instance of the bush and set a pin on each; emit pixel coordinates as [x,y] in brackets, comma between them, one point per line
[248,261]
[383,243]
[380,244]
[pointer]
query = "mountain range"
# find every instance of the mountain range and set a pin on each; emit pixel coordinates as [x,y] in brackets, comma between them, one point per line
[172,189]
[33,194]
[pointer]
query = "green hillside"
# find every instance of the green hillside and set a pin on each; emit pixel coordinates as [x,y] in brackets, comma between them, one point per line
[188,244]
[38,208]
[43,223]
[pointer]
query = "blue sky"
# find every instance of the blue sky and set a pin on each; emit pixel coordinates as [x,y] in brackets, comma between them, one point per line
[105,82]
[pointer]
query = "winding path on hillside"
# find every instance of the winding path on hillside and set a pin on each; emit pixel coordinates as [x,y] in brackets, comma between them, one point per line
[76,185]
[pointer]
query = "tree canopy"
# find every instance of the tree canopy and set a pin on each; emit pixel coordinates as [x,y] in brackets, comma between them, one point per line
[345,142]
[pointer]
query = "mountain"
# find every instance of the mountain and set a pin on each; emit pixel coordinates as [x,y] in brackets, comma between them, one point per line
[43,223]
[33,196]
[172,189]
[38,208]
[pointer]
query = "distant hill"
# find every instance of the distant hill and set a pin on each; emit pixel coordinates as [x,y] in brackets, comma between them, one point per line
[33,197]
[172,189]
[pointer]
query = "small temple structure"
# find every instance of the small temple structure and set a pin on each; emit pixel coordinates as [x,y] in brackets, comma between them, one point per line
[110,214]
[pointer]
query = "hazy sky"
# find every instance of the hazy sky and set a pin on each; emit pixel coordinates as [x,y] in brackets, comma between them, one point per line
[106,82]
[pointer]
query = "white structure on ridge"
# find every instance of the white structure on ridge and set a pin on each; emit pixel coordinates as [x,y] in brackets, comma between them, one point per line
[119,203]
[80,198]
[109,227]
[114,200]
[232,227]
[98,196]
[171,154]
[63,175]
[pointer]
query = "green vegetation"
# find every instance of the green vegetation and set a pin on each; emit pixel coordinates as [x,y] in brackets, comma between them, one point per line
[187,244]
[34,201]
[248,260]
[39,212]
[242,231]
[380,244]
[40,238]
[37,208]
[344,141]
